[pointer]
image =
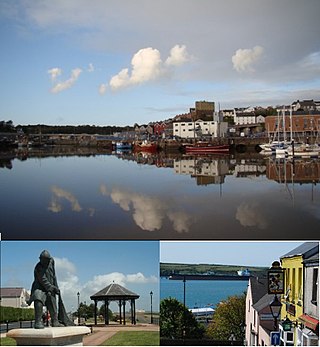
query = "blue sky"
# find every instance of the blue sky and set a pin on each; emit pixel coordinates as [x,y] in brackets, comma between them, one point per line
[120,62]
[87,267]
[232,253]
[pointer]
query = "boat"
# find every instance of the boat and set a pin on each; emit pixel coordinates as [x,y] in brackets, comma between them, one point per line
[123,145]
[207,148]
[145,146]
[245,272]
[303,151]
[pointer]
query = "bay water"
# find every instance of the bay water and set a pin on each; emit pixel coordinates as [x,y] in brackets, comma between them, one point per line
[201,293]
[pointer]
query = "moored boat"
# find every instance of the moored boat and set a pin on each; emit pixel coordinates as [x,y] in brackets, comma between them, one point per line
[207,148]
[123,145]
[145,146]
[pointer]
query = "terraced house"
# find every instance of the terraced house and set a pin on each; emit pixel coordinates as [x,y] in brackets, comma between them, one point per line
[297,310]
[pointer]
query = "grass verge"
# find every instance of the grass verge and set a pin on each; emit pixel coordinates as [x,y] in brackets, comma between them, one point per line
[7,341]
[134,338]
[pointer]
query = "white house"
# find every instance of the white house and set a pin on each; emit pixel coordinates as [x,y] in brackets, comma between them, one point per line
[244,118]
[14,297]
[259,321]
[189,129]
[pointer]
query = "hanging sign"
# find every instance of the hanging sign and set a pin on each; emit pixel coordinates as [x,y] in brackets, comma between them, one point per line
[275,279]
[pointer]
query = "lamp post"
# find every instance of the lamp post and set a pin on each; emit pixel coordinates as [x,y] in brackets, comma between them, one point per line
[78,294]
[151,319]
[275,307]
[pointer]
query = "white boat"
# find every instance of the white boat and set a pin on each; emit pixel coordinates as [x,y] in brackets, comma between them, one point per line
[123,145]
[245,272]
[304,151]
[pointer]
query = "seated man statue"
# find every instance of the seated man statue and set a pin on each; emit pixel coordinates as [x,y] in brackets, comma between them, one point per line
[44,290]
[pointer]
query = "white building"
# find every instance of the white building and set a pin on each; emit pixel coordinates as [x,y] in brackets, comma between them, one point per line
[14,297]
[203,315]
[244,118]
[199,128]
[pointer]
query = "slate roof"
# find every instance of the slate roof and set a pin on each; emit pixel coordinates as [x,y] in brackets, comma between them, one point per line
[259,287]
[10,292]
[113,292]
[314,259]
[306,250]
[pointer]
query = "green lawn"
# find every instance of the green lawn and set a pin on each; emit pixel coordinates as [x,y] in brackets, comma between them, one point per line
[7,341]
[133,338]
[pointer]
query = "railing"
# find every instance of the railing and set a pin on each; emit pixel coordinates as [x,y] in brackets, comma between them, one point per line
[5,327]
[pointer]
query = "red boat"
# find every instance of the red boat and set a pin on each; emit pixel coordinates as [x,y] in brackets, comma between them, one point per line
[145,146]
[207,148]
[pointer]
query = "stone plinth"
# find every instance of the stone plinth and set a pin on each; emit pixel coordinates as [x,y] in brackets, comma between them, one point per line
[64,336]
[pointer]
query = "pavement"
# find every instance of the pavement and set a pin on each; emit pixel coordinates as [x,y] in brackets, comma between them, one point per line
[103,333]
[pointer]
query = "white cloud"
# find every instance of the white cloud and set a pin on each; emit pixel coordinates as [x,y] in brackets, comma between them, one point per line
[146,65]
[54,73]
[103,88]
[60,86]
[178,55]
[249,215]
[101,281]
[244,59]
[90,68]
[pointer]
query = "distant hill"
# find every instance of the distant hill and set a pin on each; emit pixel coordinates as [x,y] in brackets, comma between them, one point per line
[167,269]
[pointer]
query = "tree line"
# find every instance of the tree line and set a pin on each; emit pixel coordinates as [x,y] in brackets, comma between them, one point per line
[8,126]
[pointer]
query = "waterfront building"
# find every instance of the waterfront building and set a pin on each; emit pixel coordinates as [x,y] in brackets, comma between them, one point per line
[187,129]
[293,299]
[259,320]
[14,297]
[303,124]
[247,117]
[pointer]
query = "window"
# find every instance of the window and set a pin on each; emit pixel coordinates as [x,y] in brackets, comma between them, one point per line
[314,286]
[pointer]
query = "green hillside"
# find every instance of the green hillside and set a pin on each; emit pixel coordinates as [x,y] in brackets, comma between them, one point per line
[167,269]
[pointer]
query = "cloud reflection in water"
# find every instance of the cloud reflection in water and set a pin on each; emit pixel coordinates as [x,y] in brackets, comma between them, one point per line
[148,213]
[60,194]
[250,215]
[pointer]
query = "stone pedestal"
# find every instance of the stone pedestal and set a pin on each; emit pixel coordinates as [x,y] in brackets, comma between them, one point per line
[62,336]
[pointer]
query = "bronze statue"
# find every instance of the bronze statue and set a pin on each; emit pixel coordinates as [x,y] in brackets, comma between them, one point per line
[44,291]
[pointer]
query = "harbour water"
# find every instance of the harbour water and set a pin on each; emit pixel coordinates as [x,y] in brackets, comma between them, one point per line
[201,293]
[144,196]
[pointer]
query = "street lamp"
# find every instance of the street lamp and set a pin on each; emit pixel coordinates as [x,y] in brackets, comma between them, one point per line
[78,294]
[275,307]
[151,307]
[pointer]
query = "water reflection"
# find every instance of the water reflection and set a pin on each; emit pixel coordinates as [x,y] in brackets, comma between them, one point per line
[148,212]
[155,196]
[60,194]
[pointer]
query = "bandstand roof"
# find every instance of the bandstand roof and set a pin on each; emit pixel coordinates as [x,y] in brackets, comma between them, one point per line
[114,292]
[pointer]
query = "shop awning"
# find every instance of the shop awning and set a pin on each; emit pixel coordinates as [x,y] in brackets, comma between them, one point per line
[309,322]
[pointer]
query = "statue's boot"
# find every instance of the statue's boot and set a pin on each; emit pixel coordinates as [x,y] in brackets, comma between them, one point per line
[55,322]
[38,310]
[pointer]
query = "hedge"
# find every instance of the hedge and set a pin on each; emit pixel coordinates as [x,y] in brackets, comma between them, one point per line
[12,314]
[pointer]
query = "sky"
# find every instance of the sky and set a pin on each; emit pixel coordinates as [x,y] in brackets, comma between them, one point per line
[87,267]
[121,62]
[261,253]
